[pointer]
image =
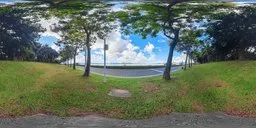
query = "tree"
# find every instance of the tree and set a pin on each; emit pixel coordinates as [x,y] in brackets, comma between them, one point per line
[72,39]
[66,53]
[233,35]
[91,18]
[189,43]
[46,54]
[18,33]
[93,25]
[170,18]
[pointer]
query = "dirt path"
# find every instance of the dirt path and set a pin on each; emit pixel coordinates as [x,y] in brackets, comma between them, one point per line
[174,120]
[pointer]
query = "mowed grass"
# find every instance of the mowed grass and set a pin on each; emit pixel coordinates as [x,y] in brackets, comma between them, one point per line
[28,88]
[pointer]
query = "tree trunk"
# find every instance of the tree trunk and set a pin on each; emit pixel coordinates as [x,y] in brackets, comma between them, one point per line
[191,61]
[240,54]
[167,71]
[74,62]
[88,64]
[70,62]
[186,61]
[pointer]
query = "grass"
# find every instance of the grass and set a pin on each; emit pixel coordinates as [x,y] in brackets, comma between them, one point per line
[28,88]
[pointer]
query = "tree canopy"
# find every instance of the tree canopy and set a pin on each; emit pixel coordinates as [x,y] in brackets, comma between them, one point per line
[234,35]
[46,54]
[82,24]
[18,32]
[168,18]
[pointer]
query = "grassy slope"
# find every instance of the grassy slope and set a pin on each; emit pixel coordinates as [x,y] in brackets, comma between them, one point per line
[27,88]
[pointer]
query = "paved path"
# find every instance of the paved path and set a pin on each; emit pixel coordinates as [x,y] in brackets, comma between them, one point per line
[174,120]
[131,72]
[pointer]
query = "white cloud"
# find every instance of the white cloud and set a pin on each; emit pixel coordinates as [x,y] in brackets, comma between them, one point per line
[121,50]
[161,41]
[80,58]
[179,59]
[48,24]
[92,11]
[149,48]
[116,9]
[55,47]
[242,4]
[251,49]
[43,6]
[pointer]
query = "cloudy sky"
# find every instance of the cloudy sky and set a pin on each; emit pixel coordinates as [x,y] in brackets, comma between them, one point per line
[122,48]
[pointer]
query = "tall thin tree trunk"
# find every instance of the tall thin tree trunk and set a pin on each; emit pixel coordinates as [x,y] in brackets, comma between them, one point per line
[70,62]
[191,61]
[88,64]
[74,61]
[186,62]
[167,71]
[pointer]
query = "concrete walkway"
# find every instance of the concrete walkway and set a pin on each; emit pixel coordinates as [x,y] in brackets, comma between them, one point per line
[174,120]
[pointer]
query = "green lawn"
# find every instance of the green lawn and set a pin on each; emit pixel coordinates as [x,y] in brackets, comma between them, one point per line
[27,88]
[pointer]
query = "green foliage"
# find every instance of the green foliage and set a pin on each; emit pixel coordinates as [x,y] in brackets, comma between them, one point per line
[4,10]
[189,41]
[152,18]
[81,24]
[72,37]
[233,36]
[46,54]
[18,34]
[66,53]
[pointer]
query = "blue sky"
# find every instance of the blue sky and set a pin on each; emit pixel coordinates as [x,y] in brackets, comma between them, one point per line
[47,40]
[160,43]
[159,46]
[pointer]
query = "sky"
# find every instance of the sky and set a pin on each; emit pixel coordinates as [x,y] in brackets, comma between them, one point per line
[122,48]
